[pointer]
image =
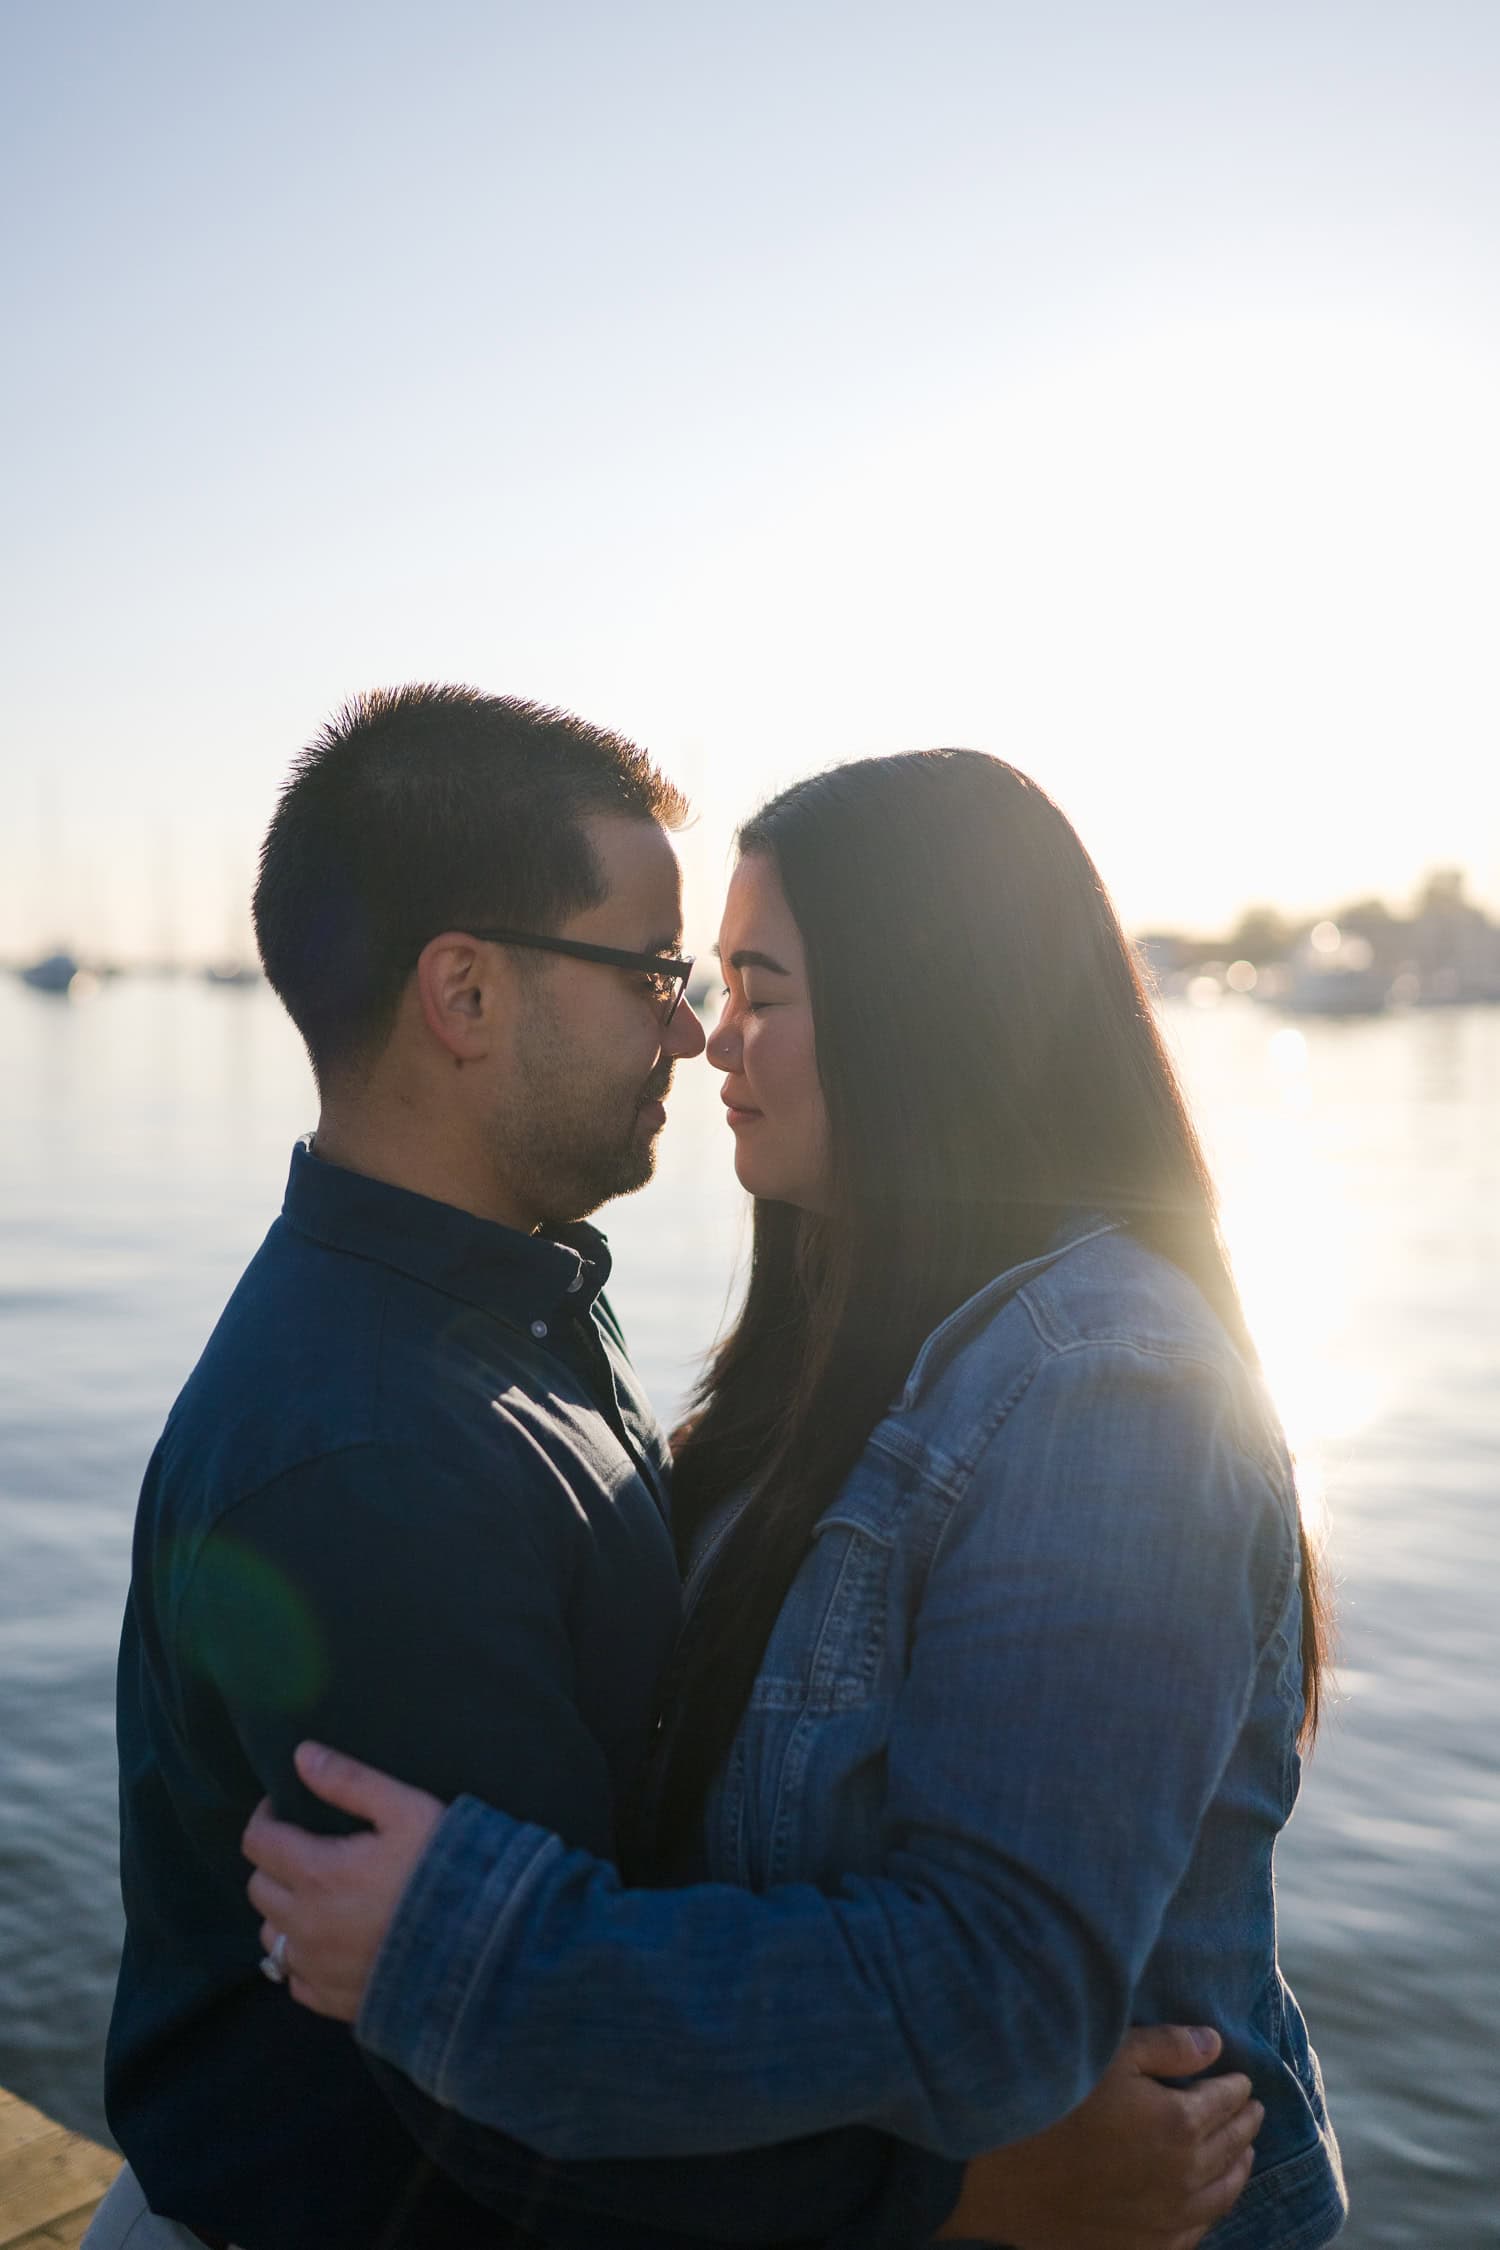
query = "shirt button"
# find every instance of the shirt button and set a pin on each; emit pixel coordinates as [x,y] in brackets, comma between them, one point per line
[539,1328]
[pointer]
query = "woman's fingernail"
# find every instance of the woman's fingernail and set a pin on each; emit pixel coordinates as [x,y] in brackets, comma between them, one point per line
[1205,2041]
[309,1756]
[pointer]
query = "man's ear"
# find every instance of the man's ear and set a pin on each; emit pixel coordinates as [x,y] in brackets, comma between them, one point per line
[463,994]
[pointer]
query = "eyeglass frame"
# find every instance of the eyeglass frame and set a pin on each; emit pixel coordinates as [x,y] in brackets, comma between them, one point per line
[575,949]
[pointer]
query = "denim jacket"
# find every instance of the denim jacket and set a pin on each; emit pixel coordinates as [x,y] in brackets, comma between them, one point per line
[1010,1780]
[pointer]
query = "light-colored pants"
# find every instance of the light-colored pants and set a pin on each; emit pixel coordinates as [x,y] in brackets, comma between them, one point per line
[126,2221]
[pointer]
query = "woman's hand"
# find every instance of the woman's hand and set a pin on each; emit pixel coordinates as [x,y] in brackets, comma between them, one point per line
[1138,2166]
[332,1897]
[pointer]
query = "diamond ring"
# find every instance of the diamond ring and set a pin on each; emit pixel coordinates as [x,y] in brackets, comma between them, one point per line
[273,1964]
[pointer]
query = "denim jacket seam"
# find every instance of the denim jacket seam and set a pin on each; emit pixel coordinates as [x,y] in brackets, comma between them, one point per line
[429,1902]
[951,1472]
[988,1303]
[839,1516]
[787,1802]
[823,1674]
[733,1792]
[947,1474]
[1255,1443]
[1269,1627]
[949,1478]
[1273,1604]
[1275,1643]
[1303,2192]
[998,1411]
[1175,1353]
[951,1491]
[1061,1343]
[446,2084]
[934,1523]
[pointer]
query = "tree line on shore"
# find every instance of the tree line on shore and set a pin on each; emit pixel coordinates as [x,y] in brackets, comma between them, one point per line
[1446,945]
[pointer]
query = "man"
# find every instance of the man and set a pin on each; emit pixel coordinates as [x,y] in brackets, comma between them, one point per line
[412,1497]
[412,1500]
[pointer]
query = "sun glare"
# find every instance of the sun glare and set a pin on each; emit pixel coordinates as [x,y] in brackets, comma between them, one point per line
[1295,1227]
[1289,1213]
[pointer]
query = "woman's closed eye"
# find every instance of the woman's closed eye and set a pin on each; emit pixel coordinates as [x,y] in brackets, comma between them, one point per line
[753,1007]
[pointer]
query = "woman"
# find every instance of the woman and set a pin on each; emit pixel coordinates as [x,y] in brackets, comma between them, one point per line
[1002,1629]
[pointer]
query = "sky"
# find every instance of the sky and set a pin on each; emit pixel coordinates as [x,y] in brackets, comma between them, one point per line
[1110,386]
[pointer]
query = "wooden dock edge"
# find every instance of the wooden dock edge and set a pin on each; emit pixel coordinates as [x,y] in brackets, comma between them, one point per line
[51,2181]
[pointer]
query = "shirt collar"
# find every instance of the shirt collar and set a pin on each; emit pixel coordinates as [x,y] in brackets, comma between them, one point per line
[514,1276]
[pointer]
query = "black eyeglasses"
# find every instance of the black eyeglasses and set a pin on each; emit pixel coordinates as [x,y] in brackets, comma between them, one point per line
[666,977]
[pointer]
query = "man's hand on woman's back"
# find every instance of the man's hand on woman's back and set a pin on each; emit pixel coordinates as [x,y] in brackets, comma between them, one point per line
[1138,2166]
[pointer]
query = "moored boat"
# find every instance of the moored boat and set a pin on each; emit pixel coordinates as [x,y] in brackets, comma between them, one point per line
[55,972]
[1334,975]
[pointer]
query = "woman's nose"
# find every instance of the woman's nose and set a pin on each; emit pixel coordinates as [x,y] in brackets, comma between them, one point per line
[724,1043]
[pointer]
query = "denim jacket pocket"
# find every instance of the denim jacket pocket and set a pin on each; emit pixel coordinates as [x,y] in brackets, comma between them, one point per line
[824,1672]
[825,1653]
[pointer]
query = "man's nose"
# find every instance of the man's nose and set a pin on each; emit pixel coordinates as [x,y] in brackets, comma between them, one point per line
[685,1035]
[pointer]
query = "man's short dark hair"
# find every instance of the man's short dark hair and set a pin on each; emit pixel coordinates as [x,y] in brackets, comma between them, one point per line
[425,808]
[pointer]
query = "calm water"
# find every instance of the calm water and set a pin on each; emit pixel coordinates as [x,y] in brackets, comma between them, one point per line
[143,1145]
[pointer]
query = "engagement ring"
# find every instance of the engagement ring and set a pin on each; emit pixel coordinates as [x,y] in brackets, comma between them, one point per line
[273,1964]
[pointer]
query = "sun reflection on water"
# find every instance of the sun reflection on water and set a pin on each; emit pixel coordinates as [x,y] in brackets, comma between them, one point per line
[1296,1238]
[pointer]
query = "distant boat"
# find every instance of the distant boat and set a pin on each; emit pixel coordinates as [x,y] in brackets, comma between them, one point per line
[236,967]
[1450,987]
[1329,989]
[53,973]
[1334,975]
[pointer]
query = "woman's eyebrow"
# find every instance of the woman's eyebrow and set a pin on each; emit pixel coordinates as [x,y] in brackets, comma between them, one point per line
[749,960]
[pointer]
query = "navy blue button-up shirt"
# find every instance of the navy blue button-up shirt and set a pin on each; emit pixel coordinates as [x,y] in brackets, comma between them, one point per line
[411,1501]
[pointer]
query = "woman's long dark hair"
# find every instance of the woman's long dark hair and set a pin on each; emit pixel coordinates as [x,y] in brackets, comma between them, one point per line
[989,1062]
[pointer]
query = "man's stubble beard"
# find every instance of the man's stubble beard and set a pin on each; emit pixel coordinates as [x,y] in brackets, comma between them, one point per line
[568,1140]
